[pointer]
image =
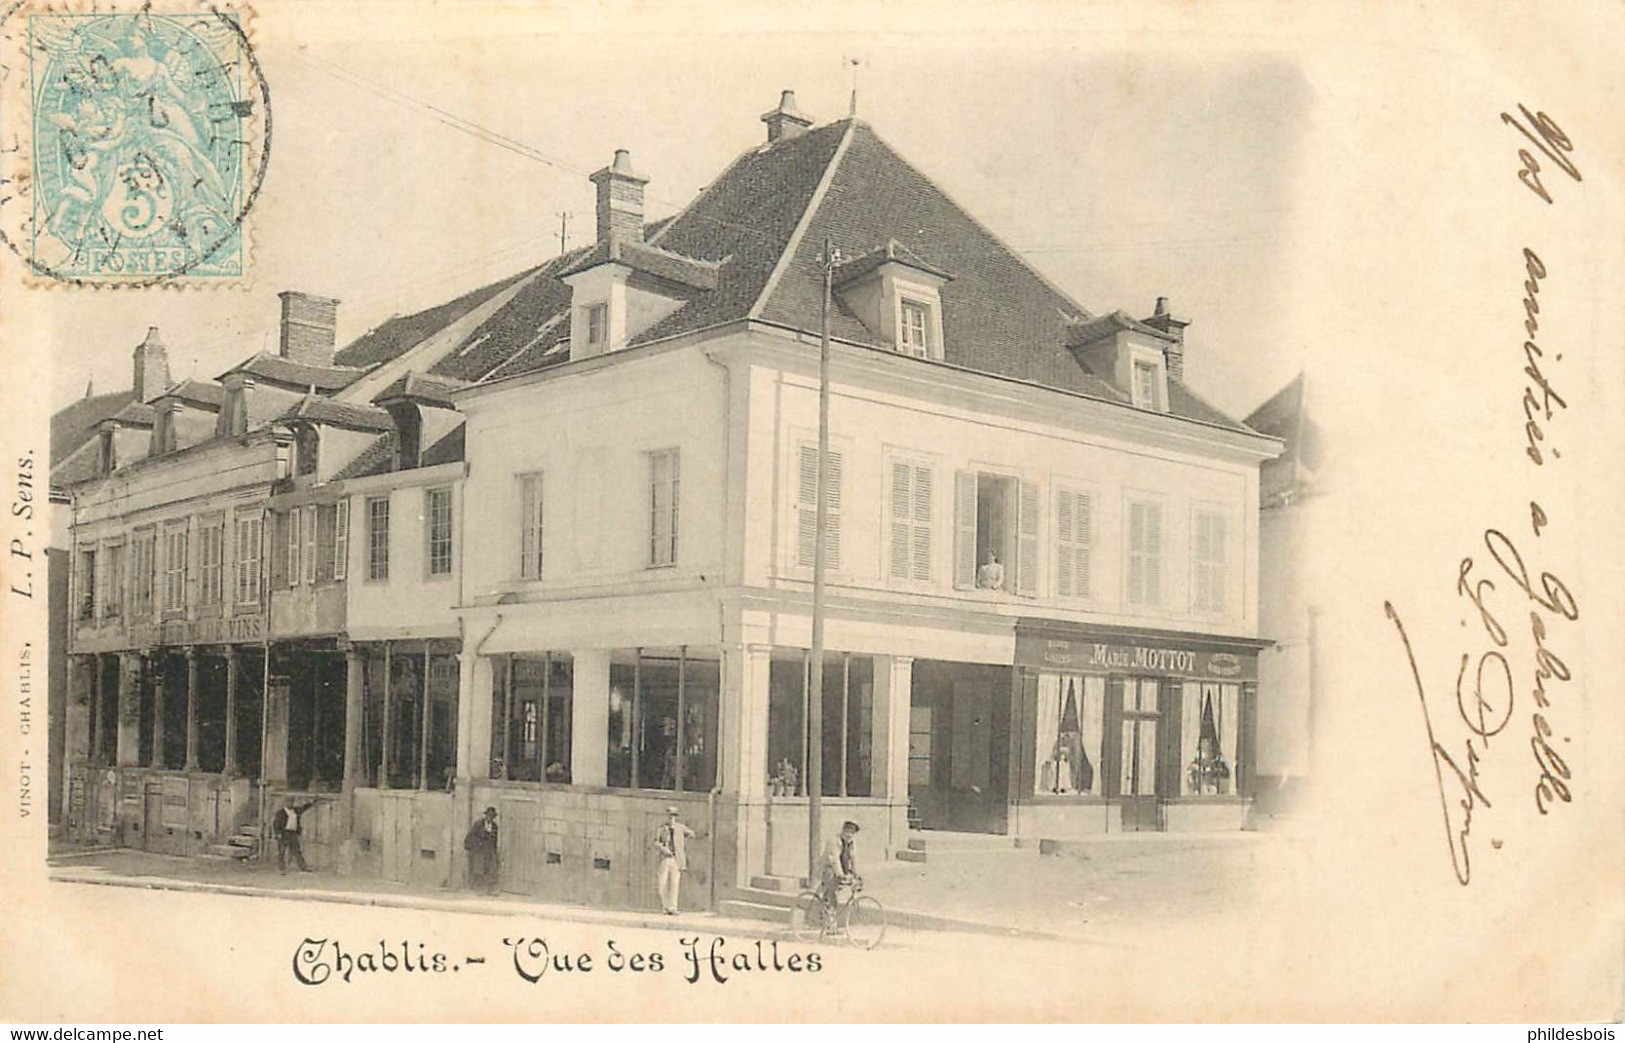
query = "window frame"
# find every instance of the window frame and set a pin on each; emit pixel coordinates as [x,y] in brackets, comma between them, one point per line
[805,511]
[532,491]
[1218,584]
[377,564]
[144,580]
[595,318]
[663,543]
[176,536]
[1067,546]
[1148,358]
[431,560]
[111,561]
[249,532]
[922,348]
[910,521]
[211,569]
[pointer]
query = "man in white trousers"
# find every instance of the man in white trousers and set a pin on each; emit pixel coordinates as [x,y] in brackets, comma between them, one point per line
[671,842]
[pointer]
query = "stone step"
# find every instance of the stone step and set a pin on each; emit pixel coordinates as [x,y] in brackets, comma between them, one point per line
[747,910]
[228,851]
[774,883]
[916,843]
[911,854]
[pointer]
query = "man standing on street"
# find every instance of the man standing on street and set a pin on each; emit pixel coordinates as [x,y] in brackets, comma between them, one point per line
[671,844]
[287,825]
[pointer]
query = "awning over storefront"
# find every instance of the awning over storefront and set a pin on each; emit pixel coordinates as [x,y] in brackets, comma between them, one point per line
[1047,644]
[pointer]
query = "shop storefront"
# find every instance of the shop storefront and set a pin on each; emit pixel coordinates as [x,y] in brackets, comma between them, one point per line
[1131,730]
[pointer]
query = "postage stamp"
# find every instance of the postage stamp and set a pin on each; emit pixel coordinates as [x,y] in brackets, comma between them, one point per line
[143,146]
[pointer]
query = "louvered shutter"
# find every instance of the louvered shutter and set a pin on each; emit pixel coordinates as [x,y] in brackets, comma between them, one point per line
[1063,544]
[922,523]
[806,517]
[902,506]
[964,530]
[832,521]
[308,557]
[1027,540]
[1083,538]
[341,539]
[1153,554]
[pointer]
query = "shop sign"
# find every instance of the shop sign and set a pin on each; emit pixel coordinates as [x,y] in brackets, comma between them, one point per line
[1106,657]
[200,631]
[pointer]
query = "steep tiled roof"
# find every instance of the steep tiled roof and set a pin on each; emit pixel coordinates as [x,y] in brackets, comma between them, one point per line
[278,370]
[73,425]
[136,414]
[1285,416]
[424,387]
[1090,330]
[448,450]
[650,260]
[340,414]
[84,462]
[197,392]
[377,458]
[395,336]
[891,250]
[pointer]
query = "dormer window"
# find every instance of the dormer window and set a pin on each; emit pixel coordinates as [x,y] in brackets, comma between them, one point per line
[306,449]
[1145,385]
[597,316]
[912,331]
[1148,381]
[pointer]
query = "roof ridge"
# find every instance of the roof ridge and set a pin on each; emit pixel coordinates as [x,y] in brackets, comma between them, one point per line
[694,200]
[997,239]
[814,201]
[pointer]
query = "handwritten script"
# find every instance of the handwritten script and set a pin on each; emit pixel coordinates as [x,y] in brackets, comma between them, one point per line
[1510,670]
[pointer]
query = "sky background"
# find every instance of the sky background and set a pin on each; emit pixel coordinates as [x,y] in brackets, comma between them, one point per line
[1121,176]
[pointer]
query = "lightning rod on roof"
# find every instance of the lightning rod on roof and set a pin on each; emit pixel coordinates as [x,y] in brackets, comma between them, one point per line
[854,62]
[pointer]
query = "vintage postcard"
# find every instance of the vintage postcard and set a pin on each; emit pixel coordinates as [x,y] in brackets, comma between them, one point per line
[1063,512]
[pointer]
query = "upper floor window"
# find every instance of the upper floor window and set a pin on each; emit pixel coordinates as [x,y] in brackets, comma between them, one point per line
[663,501]
[175,560]
[143,571]
[112,577]
[438,510]
[305,451]
[1145,553]
[250,534]
[332,539]
[914,328]
[995,533]
[211,564]
[1145,385]
[807,506]
[87,585]
[378,537]
[1074,543]
[912,490]
[597,316]
[1211,572]
[530,526]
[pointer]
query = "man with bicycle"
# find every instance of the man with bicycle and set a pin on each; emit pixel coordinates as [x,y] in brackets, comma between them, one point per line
[840,867]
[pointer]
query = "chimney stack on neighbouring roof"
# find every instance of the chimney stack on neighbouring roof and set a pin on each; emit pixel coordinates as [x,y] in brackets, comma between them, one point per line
[620,200]
[786,121]
[1162,319]
[309,328]
[151,367]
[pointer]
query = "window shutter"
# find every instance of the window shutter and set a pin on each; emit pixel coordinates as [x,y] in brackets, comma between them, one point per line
[308,556]
[1136,554]
[964,530]
[901,508]
[922,523]
[1027,540]
[1063,544]
[832,493]
[1153,554]
[1082,545]
[341,540]
[806,519]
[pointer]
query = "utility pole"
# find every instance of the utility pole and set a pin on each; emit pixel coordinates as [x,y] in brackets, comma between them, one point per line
[564,229]
[815,686]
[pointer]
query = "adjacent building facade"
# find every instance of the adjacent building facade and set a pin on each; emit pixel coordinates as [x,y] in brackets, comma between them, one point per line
[549,547]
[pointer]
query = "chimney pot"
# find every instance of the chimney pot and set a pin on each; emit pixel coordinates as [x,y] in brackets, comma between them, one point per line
[786,121]
[1164,320]
[620,199]
[1162,307]
[151,377]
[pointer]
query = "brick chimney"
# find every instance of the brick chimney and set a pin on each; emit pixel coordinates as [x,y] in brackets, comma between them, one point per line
[151,367]
[786,121]
[309,328]
[1162,319]
[620,200]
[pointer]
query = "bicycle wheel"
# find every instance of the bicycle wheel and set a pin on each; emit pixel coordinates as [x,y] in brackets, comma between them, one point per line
[807,917]
[864,922]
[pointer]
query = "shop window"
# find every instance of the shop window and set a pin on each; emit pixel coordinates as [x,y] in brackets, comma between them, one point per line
[534,696]
[1142,709]
[1209,731]
[995,533]
[848,712]
[663,718]
[1071,729]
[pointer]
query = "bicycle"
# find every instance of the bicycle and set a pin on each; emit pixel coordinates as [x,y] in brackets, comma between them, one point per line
[860,919]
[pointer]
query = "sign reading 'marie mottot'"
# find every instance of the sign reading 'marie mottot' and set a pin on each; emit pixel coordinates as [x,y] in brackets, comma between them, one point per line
[1111,657]
[200,631]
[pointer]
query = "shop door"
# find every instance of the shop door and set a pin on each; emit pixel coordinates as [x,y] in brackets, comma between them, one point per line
[1141,808]
[977,786]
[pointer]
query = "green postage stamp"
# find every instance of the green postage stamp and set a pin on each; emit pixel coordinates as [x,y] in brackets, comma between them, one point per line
[139,146]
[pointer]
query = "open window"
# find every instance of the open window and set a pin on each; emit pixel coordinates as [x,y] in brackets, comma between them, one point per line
[995,533]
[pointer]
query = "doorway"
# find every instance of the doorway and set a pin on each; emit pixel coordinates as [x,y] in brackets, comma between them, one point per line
[1141,756]
[959,746]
